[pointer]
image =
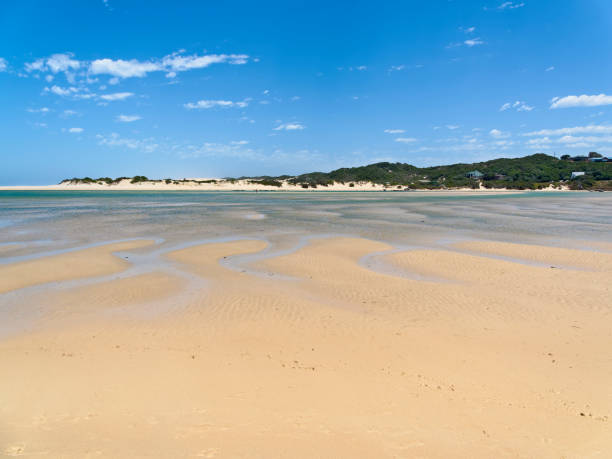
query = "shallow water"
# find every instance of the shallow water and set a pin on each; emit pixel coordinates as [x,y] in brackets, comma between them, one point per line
[37,224]
[43,222]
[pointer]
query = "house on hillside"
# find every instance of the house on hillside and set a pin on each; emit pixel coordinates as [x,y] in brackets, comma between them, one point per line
[474,174]
[576,174]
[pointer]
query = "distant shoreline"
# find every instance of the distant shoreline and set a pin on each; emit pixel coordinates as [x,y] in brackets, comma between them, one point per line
[222,185]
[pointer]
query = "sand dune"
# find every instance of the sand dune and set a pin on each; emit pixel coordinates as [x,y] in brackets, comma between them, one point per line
[498,358]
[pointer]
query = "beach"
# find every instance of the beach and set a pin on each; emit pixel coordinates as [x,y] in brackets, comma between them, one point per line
[184,324]
[227,185]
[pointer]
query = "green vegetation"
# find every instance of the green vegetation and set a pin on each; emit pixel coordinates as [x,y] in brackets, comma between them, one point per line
[528,173]
[89,180]
[267,182]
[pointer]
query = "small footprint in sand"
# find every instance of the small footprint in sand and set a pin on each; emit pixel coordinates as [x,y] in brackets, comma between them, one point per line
[15,450]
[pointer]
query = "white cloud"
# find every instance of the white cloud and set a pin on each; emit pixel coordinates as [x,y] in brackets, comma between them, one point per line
[70,113]
[290,127]
[55,63]
[75,130]
[394,131]
[239,142]
[510,5]
[569,141]
[473,42]
[405,139]
[468,29]
[38,110]
[179,63]
[128,118]
[551,68]
[589,139]
[62,62]
[116,96]
[590,129]
[204,104]
[295,98]
[581,101]
[131,68]
[396,68]
[123,69]
[3,64]
[147,145]
[496,133]
[62,91]
[539,141]
[519,106]
[452,127]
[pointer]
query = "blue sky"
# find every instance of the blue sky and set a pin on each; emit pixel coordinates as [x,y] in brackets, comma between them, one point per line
[205,89]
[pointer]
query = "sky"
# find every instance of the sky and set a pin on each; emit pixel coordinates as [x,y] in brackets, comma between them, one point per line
[226,89]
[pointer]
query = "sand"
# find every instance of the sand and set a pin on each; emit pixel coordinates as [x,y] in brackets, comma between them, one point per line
[479,350]
[243,185]
[96,261]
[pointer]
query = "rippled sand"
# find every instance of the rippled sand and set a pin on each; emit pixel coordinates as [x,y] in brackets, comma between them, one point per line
[331,347]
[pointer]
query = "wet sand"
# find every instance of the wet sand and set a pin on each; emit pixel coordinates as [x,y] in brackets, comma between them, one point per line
[478,349]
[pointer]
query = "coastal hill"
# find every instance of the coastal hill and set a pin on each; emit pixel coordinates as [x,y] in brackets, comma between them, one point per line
[538,171]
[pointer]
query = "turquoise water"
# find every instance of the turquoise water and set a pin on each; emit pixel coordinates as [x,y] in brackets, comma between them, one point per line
[44,221]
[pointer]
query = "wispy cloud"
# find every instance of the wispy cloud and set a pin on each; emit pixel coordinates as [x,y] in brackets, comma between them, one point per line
[405,139]
[290,127]
[129,68]
[394,131]
[123,69]
[205,104]
[75,130]
[84,93]
[116,96]
[496,133]
[55,63]
[581,101]
[519,106]
[38,110]
[473,42]
[590,129]
[172,63]
[147,145]
[510,5]
[128,118]
[3,64]
[550,69]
